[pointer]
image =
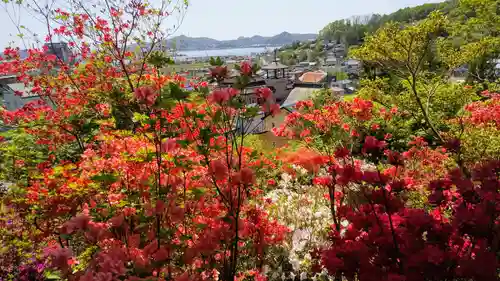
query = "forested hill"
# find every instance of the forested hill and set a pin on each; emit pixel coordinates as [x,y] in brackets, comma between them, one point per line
[351,31]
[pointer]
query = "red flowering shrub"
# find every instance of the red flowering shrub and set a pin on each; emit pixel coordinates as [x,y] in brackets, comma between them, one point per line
[384,239]
[143,180]
[380,231]
[477,132]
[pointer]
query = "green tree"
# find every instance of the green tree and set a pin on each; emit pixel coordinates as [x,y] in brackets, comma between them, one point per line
[474,38]
[409,54]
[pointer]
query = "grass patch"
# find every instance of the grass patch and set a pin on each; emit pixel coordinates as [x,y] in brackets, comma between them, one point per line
[349,97]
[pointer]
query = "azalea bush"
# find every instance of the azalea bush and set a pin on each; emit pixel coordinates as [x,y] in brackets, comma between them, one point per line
[117,172]
[140,178]
[407,214]
[301,206]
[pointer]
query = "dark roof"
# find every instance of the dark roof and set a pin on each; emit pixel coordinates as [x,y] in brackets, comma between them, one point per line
[255,81]
[274,65]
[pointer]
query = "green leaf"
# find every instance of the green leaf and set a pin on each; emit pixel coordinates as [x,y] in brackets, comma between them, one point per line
[218,115]
[139,117]
[201,225]
[186,237]
[105,178]
[65,236]
[177,92]
[206,135]
[198,192]
[183,143]
[51,275]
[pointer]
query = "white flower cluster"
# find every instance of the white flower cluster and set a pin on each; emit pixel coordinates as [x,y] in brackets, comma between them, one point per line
[303,208]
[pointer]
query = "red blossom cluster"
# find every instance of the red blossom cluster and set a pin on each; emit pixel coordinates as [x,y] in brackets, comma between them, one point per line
[378,231]
[140,182]
[386,239]
[485,113]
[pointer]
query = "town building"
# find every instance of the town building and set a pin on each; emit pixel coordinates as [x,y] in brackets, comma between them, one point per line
[277,78]
[60,50]
[14,95]
[353,66]
[313,77]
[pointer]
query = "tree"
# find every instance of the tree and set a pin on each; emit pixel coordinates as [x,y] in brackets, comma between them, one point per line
[174,195]
[407,53]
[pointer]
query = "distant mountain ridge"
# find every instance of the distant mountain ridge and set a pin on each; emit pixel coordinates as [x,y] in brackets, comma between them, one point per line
[185,43]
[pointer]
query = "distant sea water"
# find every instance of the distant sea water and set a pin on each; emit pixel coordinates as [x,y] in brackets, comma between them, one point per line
[227,52]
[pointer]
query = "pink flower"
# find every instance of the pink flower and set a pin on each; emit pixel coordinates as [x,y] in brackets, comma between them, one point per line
[134,240]
[169,145]
[326,180]
[115,198]
[146,95]
[247,176]
[129,211]
[117,220]
[218,169]
[342,152]
[264,93]
[219,72]
[160,207]
[59,256]
[272,109]
[373,145]
[222,95]
[305,133]
[246,68]
[75,224]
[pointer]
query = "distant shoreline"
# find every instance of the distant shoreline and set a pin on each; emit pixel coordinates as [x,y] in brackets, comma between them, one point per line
[229,48]
[227,52]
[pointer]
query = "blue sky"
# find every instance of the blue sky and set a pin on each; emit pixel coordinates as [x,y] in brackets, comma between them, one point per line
[228,19]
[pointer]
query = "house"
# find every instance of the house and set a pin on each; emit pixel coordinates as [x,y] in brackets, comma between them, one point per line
[339,49]
[10,97]
[297,73]
[248,95]
[262,125]
[277,78]
[313,77]
[60,50]
[304,64]
[338,91]
[330,45]
[343,84]
[331,61]
[353,66]
[298,94]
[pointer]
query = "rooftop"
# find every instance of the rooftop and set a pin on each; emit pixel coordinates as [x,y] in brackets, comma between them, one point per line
[353,62]
[337,89]
[313,77]
[274,65]
[298,94]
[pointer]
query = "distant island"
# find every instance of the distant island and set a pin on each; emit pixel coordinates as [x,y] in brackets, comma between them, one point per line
[185,43]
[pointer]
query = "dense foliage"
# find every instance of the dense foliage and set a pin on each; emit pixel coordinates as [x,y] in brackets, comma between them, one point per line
[118,172]
[352,31]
